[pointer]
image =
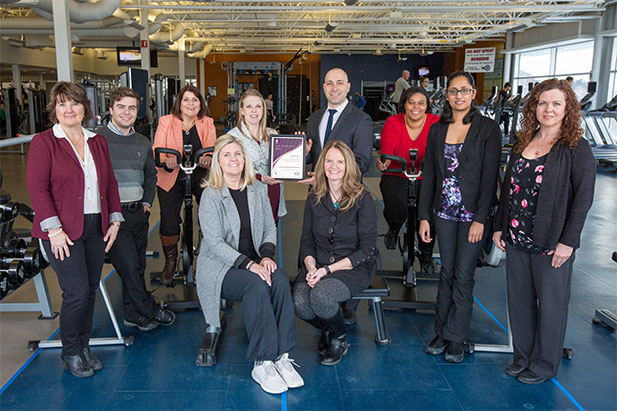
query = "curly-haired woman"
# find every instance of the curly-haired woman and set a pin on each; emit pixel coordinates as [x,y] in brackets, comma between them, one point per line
[545,197]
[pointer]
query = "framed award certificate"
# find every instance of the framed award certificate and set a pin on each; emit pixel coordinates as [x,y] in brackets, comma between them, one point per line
[287,159]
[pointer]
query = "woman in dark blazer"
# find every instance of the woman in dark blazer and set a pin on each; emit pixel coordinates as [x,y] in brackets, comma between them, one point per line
[458,191]
[338,248]
[77,210]
[188,123]
[236,263]
[545,197]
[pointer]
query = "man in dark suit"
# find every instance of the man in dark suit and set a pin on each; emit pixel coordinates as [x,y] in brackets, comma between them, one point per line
[339,120]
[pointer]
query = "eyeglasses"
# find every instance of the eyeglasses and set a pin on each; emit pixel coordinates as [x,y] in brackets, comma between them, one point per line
[463,91]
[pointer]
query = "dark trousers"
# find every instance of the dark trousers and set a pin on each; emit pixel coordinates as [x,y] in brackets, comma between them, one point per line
[455,290]
[538,297]
[171,201]
[128,255]
[269,316]
[395,193]
[78,276]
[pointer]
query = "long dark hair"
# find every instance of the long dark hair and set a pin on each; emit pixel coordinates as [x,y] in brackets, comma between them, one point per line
[410,92]
[203,109]
[446,114]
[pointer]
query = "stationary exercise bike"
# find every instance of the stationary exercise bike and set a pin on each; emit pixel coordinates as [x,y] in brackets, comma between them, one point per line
[407,245]
[206,356]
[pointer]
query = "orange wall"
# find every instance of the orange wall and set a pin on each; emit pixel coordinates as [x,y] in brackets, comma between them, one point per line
[215,75]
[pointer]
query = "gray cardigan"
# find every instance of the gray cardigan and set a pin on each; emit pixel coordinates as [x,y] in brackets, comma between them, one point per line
[220,224]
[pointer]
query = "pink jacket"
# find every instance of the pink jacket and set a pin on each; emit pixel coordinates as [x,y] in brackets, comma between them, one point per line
[169,135]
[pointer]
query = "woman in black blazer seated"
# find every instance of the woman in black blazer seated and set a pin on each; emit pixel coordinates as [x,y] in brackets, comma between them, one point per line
[458,191]
[547,192]
[337,249]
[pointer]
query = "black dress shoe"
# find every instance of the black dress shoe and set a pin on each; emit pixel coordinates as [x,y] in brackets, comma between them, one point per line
[164,317]
[91,360]
[324,341]
[77,365]
[514,369]
[437,345]
[529,377]
[429,265]
[349,316]
[140,322]
[455,352]
[391,238]
[335,352]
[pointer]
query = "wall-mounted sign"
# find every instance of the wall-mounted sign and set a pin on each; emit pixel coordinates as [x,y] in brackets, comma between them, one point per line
[480,60]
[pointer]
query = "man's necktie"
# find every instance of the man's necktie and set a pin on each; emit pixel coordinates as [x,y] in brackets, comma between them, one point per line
[329,125]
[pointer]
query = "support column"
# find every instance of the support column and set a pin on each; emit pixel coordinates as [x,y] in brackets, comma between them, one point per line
[62,34]
[143,36]
[201,76]
[17,84]
[41,82]
[181,70]
[507,60]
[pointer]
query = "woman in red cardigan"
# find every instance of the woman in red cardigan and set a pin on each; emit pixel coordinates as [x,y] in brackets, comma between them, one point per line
[402,132]
[188,123]
[76,203]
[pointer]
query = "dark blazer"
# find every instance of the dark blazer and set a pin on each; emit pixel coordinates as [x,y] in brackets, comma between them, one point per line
[565,196]
[477,172]
[55,182]
[354,127]
[330,235]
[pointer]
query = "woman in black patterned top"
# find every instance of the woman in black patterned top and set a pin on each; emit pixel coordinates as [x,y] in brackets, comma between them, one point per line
[545,197]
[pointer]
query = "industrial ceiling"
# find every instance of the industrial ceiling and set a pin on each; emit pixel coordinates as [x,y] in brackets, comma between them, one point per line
[274,26]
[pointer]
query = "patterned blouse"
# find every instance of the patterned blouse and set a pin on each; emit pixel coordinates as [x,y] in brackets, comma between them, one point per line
[452,207]
[525,181]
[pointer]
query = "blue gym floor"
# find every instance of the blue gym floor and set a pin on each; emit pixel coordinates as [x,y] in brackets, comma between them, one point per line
[158,371]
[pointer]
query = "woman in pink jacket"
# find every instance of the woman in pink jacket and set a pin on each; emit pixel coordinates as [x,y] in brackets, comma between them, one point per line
[188,123]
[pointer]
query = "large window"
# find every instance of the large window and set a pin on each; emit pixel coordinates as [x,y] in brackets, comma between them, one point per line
[573,60]
[612,82]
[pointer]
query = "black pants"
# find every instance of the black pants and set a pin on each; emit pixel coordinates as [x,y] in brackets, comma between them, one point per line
[269,317]
[455,290]
[171,201]
[538,297]
[395,193]
[128,255]
[78,276]
[505,120]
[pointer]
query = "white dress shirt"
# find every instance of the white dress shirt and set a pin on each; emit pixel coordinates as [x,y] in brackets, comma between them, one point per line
[92,199]
[324,119]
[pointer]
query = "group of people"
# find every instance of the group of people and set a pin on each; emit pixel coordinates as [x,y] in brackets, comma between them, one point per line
[92,193]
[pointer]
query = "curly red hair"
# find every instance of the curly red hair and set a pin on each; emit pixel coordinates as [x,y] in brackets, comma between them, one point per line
[570,131]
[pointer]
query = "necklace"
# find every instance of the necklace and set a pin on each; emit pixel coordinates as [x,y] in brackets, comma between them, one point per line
[336,203]
[538,147]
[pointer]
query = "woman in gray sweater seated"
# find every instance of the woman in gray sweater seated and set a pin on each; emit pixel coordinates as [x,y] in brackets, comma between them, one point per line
[235,263]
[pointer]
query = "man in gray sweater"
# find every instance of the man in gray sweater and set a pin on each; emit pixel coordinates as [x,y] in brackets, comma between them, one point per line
[133,165]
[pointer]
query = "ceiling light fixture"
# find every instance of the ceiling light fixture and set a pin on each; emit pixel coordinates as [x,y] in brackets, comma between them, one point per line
[330,27]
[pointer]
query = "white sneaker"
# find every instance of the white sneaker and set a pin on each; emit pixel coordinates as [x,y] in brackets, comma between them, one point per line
[284,365]
[266,375]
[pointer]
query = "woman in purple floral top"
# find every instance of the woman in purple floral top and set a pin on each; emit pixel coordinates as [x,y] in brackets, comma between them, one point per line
[460,172]
[545,197]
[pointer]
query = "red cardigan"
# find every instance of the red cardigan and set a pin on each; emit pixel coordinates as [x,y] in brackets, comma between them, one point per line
[55,182]
[395,140]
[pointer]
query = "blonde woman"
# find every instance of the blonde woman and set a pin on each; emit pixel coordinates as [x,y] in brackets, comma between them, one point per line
[253,133]
[236,264]
[338,248]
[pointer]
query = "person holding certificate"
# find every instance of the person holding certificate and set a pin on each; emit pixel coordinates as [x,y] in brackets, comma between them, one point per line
[236,264]
[338,248]
[254,134]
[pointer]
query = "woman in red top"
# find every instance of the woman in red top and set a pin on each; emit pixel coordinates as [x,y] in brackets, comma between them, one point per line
[402,132]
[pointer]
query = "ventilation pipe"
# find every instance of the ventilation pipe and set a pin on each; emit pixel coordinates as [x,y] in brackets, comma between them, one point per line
[168,37]
[80,12]
[202,53]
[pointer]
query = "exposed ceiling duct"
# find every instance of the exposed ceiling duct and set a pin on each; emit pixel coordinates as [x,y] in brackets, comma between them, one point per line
[169,36]
[79,12]
[201,54]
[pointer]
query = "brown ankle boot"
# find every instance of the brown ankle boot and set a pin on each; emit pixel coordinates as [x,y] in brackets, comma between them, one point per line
[170,250]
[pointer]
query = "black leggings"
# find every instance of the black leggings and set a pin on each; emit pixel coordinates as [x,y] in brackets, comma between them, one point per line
[171,201]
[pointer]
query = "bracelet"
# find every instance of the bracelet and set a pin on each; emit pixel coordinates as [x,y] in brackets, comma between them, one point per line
[55,234]
[250,264]
[327,268]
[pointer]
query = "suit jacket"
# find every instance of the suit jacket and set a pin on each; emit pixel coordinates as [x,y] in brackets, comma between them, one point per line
[169,135]
[477,171]
[220,224]
[55,181]
[354,127]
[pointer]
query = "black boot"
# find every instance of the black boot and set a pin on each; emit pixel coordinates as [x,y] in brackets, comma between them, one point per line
[391,238]
[77,365]
[91,360]
[338,340]
[170,251]
[326,335]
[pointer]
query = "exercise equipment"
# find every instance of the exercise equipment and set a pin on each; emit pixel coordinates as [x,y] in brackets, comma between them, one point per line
[407,245]
[605,317]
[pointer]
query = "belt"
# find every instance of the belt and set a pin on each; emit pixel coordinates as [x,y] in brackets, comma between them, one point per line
[132,206]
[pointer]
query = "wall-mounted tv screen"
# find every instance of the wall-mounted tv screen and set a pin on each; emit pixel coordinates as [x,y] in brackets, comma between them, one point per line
[424,71]
[131,56]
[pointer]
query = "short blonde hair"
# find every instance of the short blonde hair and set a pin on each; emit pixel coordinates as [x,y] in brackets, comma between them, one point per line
[215,178]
